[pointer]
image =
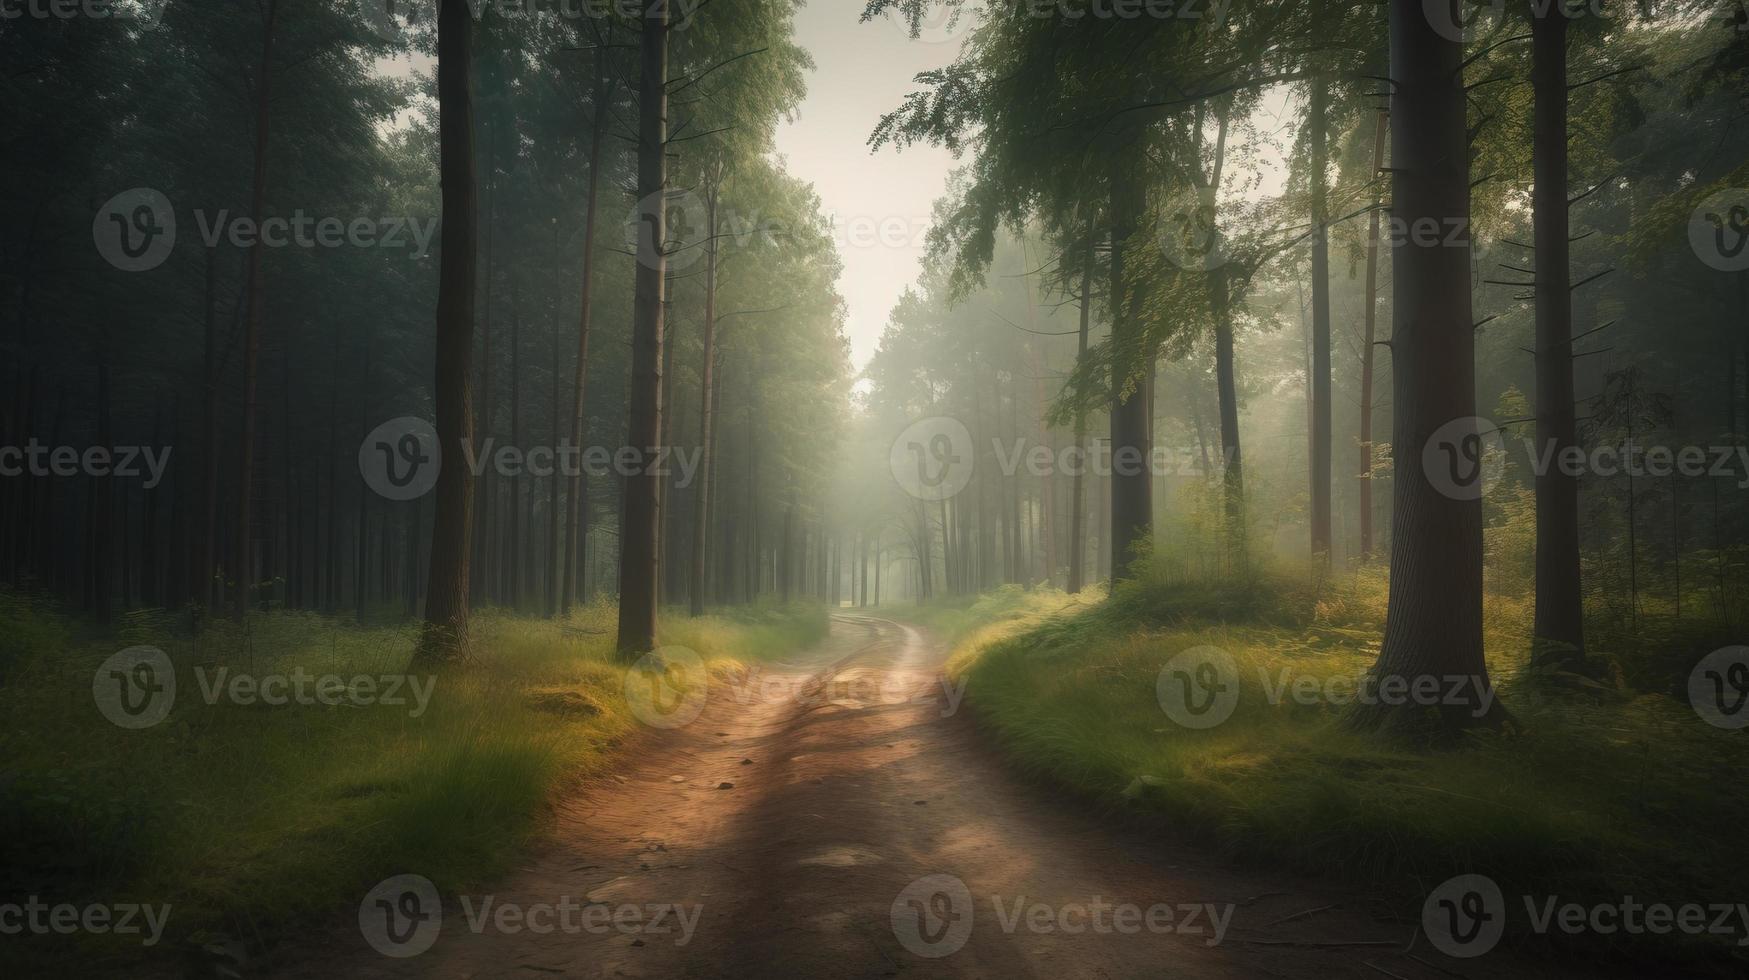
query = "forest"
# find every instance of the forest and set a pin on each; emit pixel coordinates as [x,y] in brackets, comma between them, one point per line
[735,488]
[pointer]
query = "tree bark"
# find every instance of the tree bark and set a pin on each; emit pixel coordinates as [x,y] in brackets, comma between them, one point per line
[1433,628]
[1559,631]
[1366,351]
[640,527]
[1077,493]
[445,632]
[1318,125]
[252,323]
[706,374]
[1132,378]
[577,525]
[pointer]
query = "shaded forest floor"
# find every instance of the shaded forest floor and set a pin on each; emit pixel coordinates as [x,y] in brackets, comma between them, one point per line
[1604,792]
[248,817]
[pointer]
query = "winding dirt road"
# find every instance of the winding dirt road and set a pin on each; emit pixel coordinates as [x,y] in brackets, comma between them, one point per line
[834,817]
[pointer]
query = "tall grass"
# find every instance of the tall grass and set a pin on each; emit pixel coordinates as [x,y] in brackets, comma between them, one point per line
[249,818]
[1612,793]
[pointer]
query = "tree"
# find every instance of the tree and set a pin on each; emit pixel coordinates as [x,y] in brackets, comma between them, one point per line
[1433,628]
[1559,630]
[576,526]
[444,636]
[640,524]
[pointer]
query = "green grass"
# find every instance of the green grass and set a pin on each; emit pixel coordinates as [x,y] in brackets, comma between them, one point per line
[1621,793]
[248,820]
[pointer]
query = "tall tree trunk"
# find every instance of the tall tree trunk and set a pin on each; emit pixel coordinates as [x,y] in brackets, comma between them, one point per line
[252,324]
[639,529]
[331,564]
[577,525]
[1226,379]
[201,584]
[1133,377]
[103,504]
[1559,631]
[1078,492]
[557,554]
[1433,628]
[706,374]
[1318,124]
[360,591]
[513,564]
[1371,299]
[444,636]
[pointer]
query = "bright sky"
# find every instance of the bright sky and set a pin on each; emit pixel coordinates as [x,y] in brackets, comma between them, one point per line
[880,203]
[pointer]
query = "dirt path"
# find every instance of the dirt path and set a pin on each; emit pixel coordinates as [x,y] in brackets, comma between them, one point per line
[867,832]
